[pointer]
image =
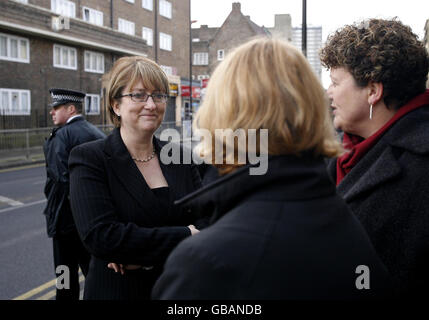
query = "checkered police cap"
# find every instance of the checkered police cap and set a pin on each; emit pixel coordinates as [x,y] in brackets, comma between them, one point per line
[63,96]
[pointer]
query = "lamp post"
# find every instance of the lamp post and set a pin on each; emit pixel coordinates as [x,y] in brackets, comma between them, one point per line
[304,28]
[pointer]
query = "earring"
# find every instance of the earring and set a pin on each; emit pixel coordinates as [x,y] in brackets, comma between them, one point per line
[370,111]
[118,115]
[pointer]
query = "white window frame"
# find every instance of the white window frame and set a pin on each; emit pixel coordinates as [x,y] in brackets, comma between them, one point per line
[201,58]
[95,16]
[8,56]
[167,69]
[165,8]
[22,1]
[10,93]
[130,1]
[221,54]
[92,96]
[91,55]
[69,49]
[64,8]
[165,41]
[147,4]
[128,24]
[149,38]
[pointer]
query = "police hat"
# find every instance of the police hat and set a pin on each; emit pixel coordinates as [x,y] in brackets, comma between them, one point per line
[63,96]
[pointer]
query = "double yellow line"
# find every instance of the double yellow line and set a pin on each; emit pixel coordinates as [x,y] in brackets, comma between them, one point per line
[47,296]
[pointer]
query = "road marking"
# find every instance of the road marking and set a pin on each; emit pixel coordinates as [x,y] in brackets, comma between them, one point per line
[10,201]
[23,206]
[47,296]
[52,293]
[21,168]
[35,291]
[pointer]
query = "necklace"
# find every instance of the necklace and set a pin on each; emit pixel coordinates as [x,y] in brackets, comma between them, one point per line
[147,159]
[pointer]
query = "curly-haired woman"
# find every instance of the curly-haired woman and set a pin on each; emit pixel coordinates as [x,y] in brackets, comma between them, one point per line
[379,71]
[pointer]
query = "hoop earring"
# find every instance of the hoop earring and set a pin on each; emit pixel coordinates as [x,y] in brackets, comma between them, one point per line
[370,111]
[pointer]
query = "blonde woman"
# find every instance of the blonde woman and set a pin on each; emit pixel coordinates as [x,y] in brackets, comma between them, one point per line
[283,234]
[122,194]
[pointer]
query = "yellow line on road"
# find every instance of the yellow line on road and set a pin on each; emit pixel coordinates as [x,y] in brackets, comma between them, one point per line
[47,296]
[52,293]
[35,291]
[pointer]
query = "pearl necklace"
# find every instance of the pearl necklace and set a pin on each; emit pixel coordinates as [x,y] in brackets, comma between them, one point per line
[147,159]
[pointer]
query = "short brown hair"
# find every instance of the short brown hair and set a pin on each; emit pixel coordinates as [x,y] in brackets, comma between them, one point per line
[127,71]
[381,51]
[268,84]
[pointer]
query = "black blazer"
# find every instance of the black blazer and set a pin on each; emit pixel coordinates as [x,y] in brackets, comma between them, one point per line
[119,219]
[282,235]
[388,191]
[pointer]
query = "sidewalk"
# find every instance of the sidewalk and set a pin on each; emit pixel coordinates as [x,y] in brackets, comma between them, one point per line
[21,157]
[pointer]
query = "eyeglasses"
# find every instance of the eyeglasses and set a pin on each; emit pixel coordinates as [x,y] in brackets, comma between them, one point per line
[142,97]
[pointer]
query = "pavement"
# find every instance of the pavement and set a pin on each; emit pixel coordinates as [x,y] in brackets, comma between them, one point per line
[21,157]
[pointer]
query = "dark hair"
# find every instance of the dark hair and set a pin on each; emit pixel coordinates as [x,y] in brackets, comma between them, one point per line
[382,51]
[78,106]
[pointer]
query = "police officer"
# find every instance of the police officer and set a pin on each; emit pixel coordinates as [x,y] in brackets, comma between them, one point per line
[72,129]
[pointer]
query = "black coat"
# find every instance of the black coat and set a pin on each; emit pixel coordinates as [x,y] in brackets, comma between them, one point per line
[119,219]
[282,235]
[388,191]
[57,150]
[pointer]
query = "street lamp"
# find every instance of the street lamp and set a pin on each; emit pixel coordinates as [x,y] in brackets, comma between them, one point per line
[304,28]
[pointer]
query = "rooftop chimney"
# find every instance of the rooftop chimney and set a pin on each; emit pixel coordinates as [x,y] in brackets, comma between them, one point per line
[236,6]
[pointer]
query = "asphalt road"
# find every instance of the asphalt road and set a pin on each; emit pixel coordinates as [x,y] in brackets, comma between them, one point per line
[26,261]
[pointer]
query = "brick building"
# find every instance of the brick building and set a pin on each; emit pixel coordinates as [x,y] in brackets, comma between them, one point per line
[210,45]
[72,43]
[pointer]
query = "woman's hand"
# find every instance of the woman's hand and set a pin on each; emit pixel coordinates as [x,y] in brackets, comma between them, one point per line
[122,267]
[194,230]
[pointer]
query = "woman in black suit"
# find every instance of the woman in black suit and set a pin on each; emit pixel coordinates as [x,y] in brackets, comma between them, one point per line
[122,194]
[280,230]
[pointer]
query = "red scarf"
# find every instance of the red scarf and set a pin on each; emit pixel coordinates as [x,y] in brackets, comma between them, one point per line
[358,146]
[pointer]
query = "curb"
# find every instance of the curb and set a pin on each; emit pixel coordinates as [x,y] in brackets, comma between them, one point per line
[18,164]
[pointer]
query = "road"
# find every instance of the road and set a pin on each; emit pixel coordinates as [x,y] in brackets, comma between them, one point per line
[25,250]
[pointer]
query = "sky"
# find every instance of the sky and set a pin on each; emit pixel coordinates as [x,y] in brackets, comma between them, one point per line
[330,14]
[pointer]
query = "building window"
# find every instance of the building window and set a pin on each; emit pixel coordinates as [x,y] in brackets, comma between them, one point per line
[92,104]
[22,1]
[130,1]
[201,58]
[165,41]
[202,76]
[94,62]
[65,57]
[165,8]
[92,16]
[220,54]
[14,102]
[147,35]
[64,8]
[126,26]
[168,70]
[147,4]
[14,48]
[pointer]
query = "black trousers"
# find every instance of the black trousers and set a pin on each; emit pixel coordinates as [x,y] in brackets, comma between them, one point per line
[70,252]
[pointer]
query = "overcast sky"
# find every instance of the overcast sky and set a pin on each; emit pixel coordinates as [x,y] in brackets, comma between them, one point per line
[330,14]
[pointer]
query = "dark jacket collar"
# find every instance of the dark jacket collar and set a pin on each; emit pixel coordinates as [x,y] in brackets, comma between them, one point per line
[381,163]
[287,178]
[78,117]
[126,170]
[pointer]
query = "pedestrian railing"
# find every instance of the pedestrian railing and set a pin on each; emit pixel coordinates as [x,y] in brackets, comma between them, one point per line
[30,141]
